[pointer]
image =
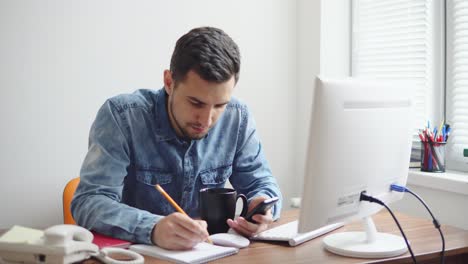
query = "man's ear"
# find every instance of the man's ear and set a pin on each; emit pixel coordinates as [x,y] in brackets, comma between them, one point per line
[168,81]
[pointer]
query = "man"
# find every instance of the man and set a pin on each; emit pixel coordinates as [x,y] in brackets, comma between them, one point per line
[185,137]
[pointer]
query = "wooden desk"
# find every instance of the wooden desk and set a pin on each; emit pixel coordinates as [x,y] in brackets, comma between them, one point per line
[424,238]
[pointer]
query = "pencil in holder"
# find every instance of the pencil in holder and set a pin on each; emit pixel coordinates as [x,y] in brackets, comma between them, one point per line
[433,156]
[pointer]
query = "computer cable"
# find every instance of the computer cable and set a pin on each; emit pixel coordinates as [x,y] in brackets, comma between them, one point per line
[436,223]
[371,199]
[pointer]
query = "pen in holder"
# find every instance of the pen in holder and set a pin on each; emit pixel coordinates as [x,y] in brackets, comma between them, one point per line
[433,156]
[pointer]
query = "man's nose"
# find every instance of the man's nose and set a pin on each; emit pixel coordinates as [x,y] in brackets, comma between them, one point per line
[206,117]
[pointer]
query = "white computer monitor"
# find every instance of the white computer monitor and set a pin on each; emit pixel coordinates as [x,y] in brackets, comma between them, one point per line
[359,140]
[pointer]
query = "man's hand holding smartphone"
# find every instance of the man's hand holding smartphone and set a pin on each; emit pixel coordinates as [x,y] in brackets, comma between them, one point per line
[257,219]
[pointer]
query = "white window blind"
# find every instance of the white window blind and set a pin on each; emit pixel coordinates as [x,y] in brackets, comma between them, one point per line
[394,40]
[457,83]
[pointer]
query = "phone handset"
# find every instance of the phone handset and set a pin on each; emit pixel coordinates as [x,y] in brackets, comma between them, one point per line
[70,239]
[76,240]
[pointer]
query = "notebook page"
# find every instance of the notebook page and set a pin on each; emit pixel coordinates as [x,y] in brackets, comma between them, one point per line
[203,252]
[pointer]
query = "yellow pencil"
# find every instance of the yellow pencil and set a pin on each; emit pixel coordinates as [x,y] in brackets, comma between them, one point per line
[439,132]
[174,204]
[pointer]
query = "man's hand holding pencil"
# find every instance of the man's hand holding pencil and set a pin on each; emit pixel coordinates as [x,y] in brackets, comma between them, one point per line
[178,231]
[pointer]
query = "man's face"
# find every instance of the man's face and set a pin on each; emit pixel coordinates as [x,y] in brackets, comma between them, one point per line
[195,105]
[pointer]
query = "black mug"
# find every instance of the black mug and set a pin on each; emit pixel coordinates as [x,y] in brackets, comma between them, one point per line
[217,205]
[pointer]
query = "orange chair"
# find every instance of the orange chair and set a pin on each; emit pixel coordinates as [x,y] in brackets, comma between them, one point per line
[68,192]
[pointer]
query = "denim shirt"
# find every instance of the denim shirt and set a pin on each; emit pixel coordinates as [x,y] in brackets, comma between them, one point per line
[133,147]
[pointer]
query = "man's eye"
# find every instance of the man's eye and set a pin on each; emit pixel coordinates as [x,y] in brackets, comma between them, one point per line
[196,104]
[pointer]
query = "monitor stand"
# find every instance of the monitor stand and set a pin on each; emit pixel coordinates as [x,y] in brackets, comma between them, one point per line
[368,244]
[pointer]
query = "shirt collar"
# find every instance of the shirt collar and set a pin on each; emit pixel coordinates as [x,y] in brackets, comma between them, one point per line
[164,130]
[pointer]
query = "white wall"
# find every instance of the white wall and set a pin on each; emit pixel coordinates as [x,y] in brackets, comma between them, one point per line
[61,59]
[335,38]
[448,207]
[323,48]
[308,66]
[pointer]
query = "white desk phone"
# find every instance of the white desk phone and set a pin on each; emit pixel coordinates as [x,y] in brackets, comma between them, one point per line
[57,244]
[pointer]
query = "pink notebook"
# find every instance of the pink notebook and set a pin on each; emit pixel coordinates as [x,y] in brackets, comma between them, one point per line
[107,241]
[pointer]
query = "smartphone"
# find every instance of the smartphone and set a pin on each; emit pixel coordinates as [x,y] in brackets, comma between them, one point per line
[261,208]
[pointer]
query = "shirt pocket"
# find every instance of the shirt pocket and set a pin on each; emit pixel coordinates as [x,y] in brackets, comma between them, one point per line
[153,177]
[146,195]
[216,177]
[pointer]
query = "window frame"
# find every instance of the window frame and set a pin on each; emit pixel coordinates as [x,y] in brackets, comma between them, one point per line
[452,163]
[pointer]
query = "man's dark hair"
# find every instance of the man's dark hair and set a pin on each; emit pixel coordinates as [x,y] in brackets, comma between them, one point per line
[208,51]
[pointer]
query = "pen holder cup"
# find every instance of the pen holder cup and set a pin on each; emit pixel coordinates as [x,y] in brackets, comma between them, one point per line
[433,156]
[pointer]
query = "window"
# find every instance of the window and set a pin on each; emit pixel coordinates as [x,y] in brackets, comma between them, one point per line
[457,83]
[405,41]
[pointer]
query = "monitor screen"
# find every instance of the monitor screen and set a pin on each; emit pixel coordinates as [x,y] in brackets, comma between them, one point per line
[359,141]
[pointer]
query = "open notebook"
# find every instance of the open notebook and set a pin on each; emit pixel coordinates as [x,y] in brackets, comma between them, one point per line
[201,253]
[288,232]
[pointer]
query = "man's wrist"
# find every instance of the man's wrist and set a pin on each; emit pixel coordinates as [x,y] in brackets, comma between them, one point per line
[153,235]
